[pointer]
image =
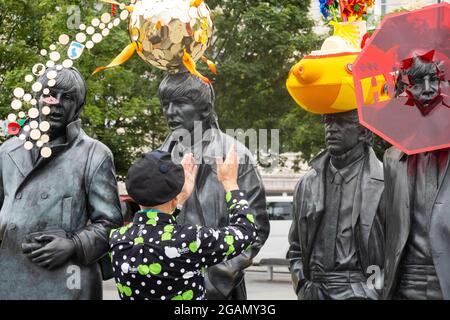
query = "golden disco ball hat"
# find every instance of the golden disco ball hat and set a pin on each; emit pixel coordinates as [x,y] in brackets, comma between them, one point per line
[168,34]
[166,28]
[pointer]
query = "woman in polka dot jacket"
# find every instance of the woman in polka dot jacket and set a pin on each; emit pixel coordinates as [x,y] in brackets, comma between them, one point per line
[154,258]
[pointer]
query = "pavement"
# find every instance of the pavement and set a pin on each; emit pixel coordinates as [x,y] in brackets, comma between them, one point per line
[259,287]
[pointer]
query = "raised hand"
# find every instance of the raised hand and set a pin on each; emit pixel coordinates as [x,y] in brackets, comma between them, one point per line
[190,172]
[227,172]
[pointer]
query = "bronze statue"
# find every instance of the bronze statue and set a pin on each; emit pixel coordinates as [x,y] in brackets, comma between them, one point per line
[417,199]
[422,80]
[56,213]
[188,104]
[337,229]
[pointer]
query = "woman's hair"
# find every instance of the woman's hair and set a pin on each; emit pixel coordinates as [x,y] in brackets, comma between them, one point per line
[186,85]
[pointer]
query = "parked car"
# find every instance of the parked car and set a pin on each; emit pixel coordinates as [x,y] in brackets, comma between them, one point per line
[276,247]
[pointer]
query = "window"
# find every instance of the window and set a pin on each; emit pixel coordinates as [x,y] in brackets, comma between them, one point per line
[279,210]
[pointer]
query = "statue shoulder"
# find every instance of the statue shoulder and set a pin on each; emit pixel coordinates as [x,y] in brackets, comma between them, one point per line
[391,156]
[98,149]
[10,144]
[305,181]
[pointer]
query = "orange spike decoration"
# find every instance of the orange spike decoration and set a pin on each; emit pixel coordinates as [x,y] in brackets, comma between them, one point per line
[196,3]
[190,65]
[211,65]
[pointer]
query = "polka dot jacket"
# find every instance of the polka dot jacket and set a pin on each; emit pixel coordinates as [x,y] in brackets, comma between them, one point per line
[154,258]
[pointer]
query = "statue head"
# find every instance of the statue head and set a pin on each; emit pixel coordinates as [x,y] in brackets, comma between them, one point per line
[420,78]
[343,133]
[65,99]
[186,99]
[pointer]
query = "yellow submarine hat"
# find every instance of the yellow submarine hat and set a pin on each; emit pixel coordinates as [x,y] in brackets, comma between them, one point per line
[322,82]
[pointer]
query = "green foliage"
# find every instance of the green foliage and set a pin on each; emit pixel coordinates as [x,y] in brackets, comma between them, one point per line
[123,98]
[256,43]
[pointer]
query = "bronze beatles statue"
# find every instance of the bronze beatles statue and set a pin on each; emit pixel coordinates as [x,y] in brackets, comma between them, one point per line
[56,213]
[417,202]
[337,227]
[188,104]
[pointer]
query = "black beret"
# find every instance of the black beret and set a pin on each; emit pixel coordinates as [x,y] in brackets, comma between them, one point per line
[154,179]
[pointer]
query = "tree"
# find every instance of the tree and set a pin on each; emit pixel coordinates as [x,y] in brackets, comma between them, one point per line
[257,42]
[122,108]
[255,45]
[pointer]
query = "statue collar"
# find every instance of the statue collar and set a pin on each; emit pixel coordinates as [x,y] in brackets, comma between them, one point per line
[73,130]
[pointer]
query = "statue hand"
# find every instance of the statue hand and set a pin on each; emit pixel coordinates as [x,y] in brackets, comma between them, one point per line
[190,172]
[54,253]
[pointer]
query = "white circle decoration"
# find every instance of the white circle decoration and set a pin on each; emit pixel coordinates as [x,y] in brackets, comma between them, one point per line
[67,63]
[50,64]
[63,39]
[33,113]
[46,111]
[22,114]
[82,27]
[36,87]
[29,78]
[80,37]
[35,134]
[90,30]
[106,17]
[55,56]
[45,138]
[46,152]
[27,97]
[12,117]
[16,104]
[52,47]
[52,74]
[19,92]
[95,22]
[34,124]
[124,14]
[105,32]
[97,38]
[89,44]
[28,145]
[51,83]
[44,126]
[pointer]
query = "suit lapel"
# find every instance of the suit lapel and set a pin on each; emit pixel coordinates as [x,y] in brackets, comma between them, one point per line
[22,159]
[370,188]
[317,193]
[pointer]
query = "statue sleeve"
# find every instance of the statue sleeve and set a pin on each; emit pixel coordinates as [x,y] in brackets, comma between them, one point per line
[104,213]
[2,191]
[251,182]
[295,245]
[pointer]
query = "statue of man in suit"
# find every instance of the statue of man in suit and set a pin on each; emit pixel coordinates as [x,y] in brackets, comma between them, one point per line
[417,199]
[188,106]
[57,212]
[336,238]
